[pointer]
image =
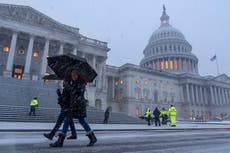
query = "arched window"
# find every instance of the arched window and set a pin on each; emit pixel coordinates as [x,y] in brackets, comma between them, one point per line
[176,64]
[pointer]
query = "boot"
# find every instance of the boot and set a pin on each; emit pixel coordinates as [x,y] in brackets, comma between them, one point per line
[72,137]
[59,142]
[92,138]
[49,135]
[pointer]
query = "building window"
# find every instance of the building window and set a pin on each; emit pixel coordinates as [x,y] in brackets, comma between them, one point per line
[121,82]
[176,64]
[150,66]
[166,64]
[35,54]
[5,49]
[17,72]
[137,81]
[21,50]
[162,65]
[156,66]
[171,64]
[116,83]
[146,82]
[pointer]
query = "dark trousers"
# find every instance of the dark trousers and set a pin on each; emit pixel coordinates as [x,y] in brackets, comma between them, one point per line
[106,120]
[59,121]
[157,121]
[32,110]
[148,119]
[82,121]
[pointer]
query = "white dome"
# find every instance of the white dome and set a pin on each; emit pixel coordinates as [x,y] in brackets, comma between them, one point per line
[166,32]
[168,49]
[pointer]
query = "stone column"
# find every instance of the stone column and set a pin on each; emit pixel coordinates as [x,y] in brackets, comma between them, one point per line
[216,96]
[205,96]
[94,62]
[44,57]
[153,65]
[212,100]
[197,98]
[158,65]
[228,95]
[169,64]
[163,60]
[26,74]
[61,49]
[187,92]
[192,93]
[75,50]
[225,96]
[113,93]
[219,96]
[180,64]
[10,60]
[201,95]
[83,54]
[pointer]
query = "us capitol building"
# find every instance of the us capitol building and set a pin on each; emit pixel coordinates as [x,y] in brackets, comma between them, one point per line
[168,73]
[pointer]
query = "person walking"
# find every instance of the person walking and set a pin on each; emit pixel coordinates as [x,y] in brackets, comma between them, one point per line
[148,115]
[106,116]
[33,105]
[157,114]
[172,115]
[76,108]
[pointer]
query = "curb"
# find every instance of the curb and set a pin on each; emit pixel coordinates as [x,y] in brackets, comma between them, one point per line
[125,130]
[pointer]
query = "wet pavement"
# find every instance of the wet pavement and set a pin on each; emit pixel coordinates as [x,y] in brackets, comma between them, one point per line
[146,141]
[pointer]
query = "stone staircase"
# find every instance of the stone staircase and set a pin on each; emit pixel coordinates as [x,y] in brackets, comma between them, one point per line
[10,113]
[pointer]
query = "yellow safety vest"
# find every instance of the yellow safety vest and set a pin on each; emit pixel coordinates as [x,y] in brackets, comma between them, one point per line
[172,111]
[34,102]
[164,112]
[148,113]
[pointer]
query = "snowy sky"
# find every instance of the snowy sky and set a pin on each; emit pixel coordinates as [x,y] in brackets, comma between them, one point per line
[128,24]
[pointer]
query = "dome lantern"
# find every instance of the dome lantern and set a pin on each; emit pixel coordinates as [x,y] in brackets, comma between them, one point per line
[164,18]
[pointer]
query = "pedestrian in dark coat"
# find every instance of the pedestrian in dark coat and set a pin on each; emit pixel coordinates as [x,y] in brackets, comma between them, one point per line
[75,109]
[157,114]
[106,116]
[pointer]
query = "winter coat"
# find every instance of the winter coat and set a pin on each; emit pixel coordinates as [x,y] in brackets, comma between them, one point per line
[76,108]
[156,113]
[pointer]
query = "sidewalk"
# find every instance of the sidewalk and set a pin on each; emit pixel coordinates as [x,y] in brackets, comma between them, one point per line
[30,127]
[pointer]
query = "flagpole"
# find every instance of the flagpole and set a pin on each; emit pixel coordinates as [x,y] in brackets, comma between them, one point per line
[217,67]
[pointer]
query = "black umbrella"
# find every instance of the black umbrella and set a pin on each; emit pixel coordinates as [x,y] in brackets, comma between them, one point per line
[60,64]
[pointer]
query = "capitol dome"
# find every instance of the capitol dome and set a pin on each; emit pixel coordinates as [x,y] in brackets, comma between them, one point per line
[168,50]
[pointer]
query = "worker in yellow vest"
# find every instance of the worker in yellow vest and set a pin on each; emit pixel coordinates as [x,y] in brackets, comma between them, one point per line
[148,115]
[33,105]
[172,115]
[164,116]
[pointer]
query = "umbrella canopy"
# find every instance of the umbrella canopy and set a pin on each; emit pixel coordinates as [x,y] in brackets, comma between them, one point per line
[60,64]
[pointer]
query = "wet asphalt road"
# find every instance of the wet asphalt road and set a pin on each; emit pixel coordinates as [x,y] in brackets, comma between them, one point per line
[178,141]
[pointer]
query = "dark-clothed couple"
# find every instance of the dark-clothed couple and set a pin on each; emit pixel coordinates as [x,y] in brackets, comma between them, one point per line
[73,105]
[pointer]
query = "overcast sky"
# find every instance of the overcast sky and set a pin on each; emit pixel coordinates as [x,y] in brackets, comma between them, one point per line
[128,24]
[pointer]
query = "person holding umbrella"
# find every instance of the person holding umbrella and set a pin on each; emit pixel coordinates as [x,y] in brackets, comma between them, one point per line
[76,109]
[77,72]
